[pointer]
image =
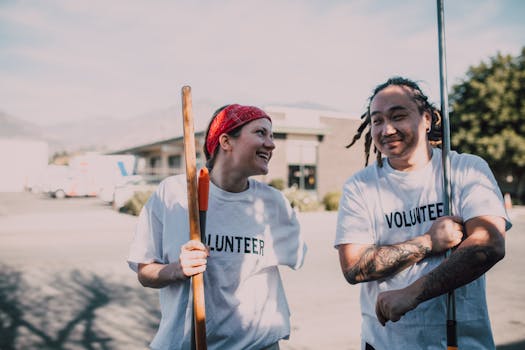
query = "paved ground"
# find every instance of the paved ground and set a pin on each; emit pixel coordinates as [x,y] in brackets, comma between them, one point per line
[64,283]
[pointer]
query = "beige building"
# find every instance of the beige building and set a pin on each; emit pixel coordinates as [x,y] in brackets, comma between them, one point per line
[310,150]
[24,161]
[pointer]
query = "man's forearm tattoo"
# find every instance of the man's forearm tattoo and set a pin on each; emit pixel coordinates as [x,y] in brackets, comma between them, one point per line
[380,262]
[462,267]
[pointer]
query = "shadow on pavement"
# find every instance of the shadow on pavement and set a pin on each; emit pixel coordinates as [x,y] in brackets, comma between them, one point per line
[81,310]
[519,345]
[74,310]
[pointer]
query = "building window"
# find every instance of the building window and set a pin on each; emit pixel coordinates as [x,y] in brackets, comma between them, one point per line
[302,176]
[175,161]
[154,165]
[301,156]
[154,162]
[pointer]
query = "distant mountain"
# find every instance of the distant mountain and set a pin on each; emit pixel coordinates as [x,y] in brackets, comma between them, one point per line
[111,134]
[107,133]
[14,127]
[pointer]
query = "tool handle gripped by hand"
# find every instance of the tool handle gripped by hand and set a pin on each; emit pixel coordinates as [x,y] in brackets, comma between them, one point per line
[197,280]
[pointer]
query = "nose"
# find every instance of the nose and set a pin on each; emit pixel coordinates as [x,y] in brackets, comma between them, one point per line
[388,129]
[268,142]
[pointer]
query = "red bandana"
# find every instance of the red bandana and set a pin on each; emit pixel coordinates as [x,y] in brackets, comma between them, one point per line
[229,119]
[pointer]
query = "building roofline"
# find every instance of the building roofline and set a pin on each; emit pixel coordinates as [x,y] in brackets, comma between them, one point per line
[152,144]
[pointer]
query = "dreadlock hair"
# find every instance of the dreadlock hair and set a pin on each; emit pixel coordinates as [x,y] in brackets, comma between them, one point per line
[423,104]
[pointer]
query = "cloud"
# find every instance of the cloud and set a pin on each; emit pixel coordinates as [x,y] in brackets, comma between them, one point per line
[65,60]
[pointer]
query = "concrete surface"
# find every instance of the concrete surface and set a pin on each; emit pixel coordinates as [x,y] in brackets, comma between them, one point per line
[65,284]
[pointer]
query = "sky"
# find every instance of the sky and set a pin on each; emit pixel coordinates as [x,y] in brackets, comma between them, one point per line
[67,60]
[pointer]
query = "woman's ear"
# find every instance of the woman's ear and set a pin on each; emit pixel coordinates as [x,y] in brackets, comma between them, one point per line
[225,142]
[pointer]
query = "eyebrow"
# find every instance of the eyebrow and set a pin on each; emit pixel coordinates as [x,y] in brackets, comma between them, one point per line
[391,109]
[259,127]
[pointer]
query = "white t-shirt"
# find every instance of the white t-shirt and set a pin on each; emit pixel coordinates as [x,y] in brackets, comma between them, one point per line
[384,206]
[249,234]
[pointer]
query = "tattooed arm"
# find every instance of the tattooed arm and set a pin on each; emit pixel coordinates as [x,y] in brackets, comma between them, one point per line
[363,263]
[482,249]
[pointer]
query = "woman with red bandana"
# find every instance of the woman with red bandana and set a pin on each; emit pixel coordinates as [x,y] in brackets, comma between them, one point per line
[250,230]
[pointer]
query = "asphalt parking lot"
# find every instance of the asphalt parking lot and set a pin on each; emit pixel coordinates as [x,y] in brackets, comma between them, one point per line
[65,283]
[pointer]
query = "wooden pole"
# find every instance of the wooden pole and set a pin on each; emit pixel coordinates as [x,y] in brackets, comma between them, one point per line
[193,212]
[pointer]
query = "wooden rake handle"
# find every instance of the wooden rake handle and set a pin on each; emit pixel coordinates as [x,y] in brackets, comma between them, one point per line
[193,212]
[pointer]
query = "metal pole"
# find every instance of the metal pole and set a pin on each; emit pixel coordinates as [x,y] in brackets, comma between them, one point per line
[452,341]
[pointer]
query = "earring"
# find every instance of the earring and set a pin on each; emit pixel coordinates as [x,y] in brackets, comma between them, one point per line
[428,130]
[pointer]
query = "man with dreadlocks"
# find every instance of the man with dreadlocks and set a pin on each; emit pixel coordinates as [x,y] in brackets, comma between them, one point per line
[392,233]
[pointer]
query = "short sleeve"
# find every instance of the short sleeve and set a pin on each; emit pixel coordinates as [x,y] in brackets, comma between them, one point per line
[146,246]
[289,246]
[479,192]
[353,219]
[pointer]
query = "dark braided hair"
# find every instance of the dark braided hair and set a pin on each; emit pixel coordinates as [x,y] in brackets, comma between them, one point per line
[210,158]
[423,104]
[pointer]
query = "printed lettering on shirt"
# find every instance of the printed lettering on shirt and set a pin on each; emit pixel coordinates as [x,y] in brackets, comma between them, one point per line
[414,216]
[235,244]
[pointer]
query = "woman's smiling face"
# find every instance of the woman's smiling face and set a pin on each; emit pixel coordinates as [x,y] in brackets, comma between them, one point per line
[252,149]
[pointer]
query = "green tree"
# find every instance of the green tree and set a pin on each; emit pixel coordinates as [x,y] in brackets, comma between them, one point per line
[487,118]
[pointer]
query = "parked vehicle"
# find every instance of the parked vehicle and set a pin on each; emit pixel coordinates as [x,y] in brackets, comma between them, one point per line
[60,181]
[72,185]
[87,175]
[124,192]
[107,190]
